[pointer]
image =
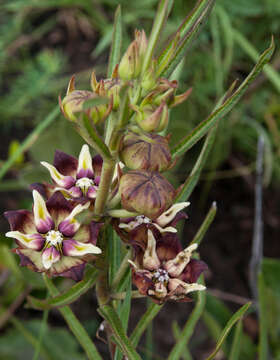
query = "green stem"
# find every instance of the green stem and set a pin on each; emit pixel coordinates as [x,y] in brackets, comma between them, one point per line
[122,270]
[104,186]
[74,325]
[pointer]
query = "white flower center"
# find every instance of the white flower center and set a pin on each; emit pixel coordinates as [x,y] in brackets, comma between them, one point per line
[84,183]
[161,276]
[54,237]
[142,219]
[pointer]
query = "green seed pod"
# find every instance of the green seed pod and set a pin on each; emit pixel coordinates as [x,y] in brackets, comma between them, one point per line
[147,193]
[145,152]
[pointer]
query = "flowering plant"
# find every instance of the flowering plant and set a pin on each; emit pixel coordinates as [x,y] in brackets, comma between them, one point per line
[121,198]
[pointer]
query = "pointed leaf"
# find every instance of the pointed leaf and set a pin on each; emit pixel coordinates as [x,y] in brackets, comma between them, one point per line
[68,296]
[188,329]
[143,323]
[111,316]
[205,225]
[191,139]
[236,317]
[194,176]
[160,18]
[189,28]
[116,45]
[236,344]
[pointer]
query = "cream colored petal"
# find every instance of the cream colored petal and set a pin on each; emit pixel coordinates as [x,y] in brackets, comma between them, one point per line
[177,265]
[42,217]
[166,217]
[31,241]
[150,258]
[58,178]
[85,160]
[167,229]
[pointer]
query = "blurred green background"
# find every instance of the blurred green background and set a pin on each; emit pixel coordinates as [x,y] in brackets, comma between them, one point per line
[42,43]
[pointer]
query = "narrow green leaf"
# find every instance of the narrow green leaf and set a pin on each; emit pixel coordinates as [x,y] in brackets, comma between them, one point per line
[186,355]
[270,72]
[124,313]
[90,103]
[160,18]
[116,45]
[90,134]
[194,176]
[187,30]
[205,225]
[187,142]
[263,306]
[75,325]
[236,344]
[236,317]
[111,316]
[29,140]
[68,296]
[143,323]
[188,329]
[114,246]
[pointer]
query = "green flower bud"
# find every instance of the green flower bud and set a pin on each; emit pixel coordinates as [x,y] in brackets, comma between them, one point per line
[73,103]
[145,152]
[151,118]
[147,193]
[131,62]
[149,79]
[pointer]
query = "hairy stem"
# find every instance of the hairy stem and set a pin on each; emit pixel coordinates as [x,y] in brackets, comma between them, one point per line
[104,186]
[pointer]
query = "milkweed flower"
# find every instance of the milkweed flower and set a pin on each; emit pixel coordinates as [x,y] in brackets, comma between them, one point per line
[50,239]
[134,229]
[163,271]
[77,179]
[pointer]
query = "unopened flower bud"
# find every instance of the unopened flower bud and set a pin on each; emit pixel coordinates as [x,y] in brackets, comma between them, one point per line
[147,193]
[131,62]
[149,79]
[145,152]
[150,118]
[73,103]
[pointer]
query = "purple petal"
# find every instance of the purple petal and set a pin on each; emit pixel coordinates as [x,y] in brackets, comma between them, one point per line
[168,246]
[75,191]
[21,220]
[75,273]
[97,163]
[67,228]
[193,270]
[59,207]
[94,228]
[97,180]
[65,164]
[50,256]
[84,173]
[46,190]
[91,193]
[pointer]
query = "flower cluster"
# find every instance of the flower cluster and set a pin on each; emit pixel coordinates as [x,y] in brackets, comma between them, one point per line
[132,107]
[50,239]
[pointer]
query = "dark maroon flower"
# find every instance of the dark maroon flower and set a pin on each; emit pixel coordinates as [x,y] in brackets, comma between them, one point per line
[50,239]
[165,272]
[76,179]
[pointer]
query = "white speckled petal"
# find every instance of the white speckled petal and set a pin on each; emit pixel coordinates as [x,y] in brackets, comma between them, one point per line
[85,163]
[31,241]
[76,248]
